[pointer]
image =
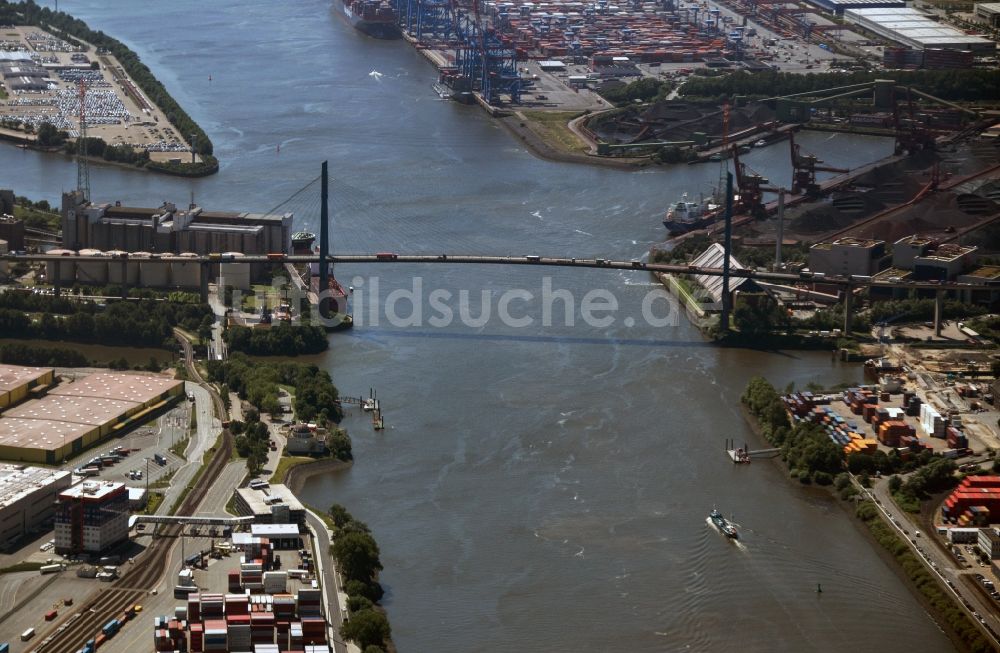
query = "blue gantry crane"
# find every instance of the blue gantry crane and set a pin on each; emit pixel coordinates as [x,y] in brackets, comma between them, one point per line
[481,55]
[426,19]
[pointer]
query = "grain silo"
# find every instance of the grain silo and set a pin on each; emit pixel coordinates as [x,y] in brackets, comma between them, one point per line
[94,273]
[67,269]
[186,274]
[154,272]
[235,274]
[121,269]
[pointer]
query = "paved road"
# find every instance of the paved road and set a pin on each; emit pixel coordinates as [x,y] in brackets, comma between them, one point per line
[938,561]
[214,504]
[205,437]
[331,583]
[217,348]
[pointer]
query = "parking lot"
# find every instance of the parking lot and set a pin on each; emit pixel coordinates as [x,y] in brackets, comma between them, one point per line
[139,449]
[113,114]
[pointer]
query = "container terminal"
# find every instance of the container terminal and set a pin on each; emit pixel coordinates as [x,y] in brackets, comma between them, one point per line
[499,52]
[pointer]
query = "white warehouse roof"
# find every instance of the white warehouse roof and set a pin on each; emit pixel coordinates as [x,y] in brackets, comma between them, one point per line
[915,29]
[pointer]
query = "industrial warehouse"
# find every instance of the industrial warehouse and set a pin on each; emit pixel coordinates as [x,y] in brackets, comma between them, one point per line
[27,499]
[77,415]
[917,30]
[17,381]
[167,229]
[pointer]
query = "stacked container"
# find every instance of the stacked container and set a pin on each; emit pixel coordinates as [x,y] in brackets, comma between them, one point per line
[979,515]
[194,607]
[252,575]
[295,636]
[316,648]
[262,627]
[284,607]
[309,602]
[212,607]
[239,632]
[275,582]
[266,648]
[956,438]
[313,629]
[237,604]
[162,641]
[216,635]
[197,637]
[234,580]
[973,491]
[891,432]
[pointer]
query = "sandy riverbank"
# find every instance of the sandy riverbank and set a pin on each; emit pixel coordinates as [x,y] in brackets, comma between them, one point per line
[539,140]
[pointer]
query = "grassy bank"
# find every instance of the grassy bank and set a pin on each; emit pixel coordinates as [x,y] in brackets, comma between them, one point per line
[287,464]
[21,566]
[553,127]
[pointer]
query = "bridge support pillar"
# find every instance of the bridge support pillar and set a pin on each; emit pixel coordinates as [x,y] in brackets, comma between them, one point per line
[848,309]
[938,311]
[727,297]
[57,282]
[203,281]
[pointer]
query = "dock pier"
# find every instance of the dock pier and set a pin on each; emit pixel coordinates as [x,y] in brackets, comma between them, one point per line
[744,455]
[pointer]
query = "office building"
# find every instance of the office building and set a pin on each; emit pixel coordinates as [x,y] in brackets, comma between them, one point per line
[847,256]
[270,504]
[91,517]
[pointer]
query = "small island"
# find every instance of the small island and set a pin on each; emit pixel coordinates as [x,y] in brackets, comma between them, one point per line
[51,63]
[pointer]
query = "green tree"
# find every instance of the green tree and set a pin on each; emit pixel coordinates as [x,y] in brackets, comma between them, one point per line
[338,442]
[358,556]
[339,515]
[367,628]
[48,135]
[358,603]
[757,313]
[372,590]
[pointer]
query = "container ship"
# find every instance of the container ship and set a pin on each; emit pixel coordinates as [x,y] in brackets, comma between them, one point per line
[375,18]
[723,524]
[684,216]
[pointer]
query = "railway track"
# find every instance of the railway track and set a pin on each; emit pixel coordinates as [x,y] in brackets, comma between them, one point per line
[72,633]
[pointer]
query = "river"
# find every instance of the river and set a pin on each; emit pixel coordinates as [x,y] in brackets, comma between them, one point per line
[538,487]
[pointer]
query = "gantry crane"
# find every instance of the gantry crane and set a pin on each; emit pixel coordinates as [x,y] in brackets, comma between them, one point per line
[751,185]
[804,169]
